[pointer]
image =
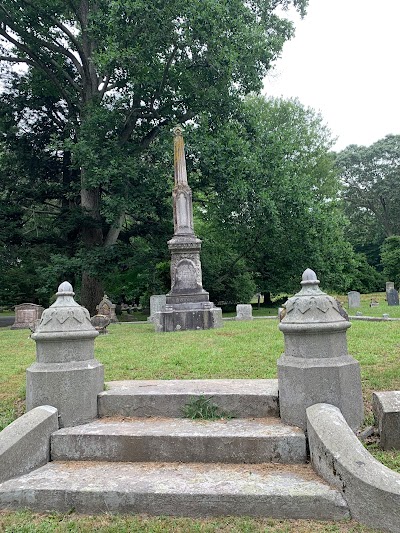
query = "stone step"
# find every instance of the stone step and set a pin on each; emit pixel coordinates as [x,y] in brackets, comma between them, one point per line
[175,489]
[240,397]
[177,439]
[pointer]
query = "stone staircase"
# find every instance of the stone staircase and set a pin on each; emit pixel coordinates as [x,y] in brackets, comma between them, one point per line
[141,456]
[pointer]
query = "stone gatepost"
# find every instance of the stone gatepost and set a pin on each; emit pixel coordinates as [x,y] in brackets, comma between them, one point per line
[66,375]
[316,367]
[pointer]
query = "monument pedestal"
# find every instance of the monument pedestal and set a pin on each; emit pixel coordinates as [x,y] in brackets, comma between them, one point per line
[316,367]
[187,303]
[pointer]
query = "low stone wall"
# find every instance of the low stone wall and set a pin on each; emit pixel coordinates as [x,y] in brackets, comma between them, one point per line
[25,443]
[371,489]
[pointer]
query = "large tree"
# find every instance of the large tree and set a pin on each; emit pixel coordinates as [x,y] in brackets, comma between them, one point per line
[115,73]
[268,186]
[371,175]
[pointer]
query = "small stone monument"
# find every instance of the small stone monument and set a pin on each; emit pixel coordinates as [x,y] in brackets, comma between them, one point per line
[107,308]
[392,297]
[187,303]
[316,367]
[100,323]
[354,299]
[66,375]
[26,315]
[157,305]
[244,312]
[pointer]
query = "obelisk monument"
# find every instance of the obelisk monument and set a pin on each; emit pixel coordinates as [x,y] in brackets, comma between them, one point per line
[187,303]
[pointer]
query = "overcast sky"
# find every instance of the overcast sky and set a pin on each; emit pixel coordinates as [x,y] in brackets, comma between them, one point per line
[344,61]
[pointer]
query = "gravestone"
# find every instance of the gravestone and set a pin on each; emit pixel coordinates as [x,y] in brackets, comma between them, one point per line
[100,323]
[354,299]
[392,297]
[389,285]
[26,315]
[374,303]
[157,304]
[244,312]
[107,308]
[187,303]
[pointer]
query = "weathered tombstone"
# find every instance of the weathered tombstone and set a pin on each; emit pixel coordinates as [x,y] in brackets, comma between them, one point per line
[374,303]
[100,323]
[392,297]
[107,308]
[157,304]
[316,367]
[187,303]
[354,299]
[244,312]
[65,375]
[389,285]
[26,315]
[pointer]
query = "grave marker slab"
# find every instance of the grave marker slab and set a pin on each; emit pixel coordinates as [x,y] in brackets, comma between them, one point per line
[26,315]
[354,299]
[107,308]
[392,297]
[157,305]
[244,312]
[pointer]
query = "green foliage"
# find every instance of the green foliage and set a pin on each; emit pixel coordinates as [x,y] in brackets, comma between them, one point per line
[268,195]
[103,80]
[390,258]
[202,408]
[370,175]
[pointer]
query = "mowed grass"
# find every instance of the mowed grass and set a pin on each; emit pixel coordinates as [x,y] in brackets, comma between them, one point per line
[238,350]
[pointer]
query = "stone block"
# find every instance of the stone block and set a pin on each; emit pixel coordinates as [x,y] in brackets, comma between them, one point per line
[386,407]
[184,319]
[244,312]
[304,382]
[177,489]
[181,439]
[241,398]
[71,387]
[25,443]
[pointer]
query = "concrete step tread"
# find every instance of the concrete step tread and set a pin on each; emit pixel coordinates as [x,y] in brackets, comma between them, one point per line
[176,489]
[179,439]
[239,397]
[252,387]
[184,427]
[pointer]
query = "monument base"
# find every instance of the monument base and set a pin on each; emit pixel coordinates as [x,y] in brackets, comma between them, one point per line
[305,382]
[70,387]
[188,316]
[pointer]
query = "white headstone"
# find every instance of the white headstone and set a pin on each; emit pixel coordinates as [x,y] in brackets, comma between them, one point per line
[354,299]
[244,312]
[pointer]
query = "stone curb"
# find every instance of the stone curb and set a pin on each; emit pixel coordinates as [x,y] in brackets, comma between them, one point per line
[371,489]
[25,443]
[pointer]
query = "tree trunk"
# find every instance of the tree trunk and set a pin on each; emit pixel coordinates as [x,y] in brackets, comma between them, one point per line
[267,299]
[91,292]
[92,235]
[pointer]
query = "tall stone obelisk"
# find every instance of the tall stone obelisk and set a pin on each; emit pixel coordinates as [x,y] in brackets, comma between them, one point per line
[187,303]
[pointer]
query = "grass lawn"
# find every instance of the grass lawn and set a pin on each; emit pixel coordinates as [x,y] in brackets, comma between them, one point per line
[238,350]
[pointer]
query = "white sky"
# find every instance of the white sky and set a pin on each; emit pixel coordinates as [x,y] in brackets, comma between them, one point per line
[344,61]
